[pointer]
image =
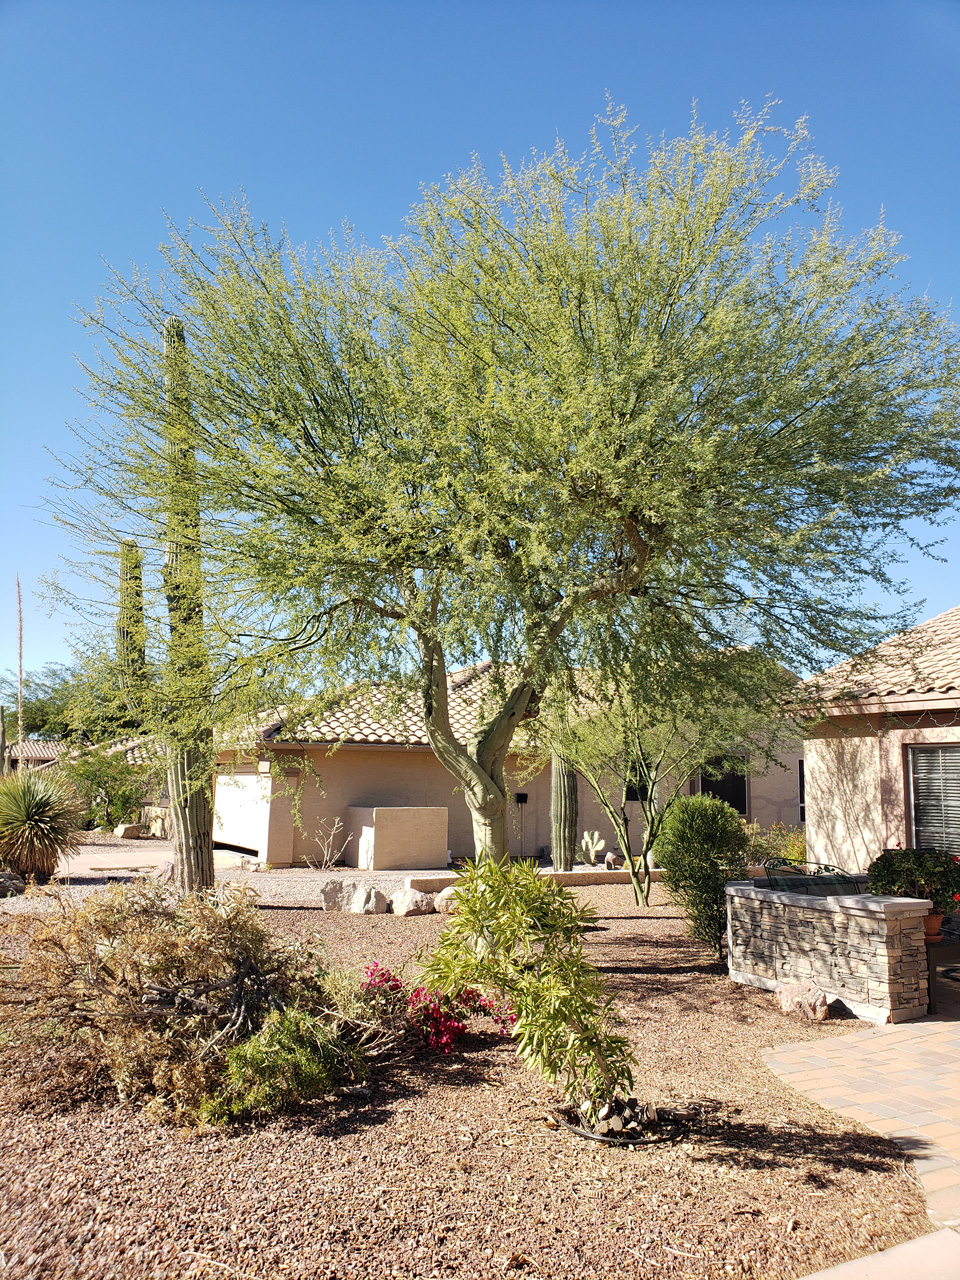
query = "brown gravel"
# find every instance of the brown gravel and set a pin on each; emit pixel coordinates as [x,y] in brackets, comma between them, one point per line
[448,1169]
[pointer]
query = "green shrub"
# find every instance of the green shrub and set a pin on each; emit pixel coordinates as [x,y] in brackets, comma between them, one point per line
[39,818]
[700,848]
[517,937]
[294,1057]
[917,873]
[777,842]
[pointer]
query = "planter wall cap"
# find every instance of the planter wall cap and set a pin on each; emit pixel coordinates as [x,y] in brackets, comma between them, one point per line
[859,904]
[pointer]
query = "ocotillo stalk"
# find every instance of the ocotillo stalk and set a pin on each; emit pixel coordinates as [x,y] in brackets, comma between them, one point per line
[563,813]
[19,667]
[187,696]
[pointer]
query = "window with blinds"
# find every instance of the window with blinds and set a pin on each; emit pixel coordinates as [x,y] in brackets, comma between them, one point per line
[935,784]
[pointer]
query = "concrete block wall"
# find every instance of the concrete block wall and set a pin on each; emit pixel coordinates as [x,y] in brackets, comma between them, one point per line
[865,951]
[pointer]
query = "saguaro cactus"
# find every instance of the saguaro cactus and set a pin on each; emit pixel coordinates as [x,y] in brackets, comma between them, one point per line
[131,628]
[186,691]
[563,813]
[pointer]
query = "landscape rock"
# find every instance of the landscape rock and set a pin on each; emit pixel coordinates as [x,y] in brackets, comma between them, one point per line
[613,861]
[128,830]
[335,895]
[367,901]
[411,902]
[804,998]
[11,885]
[446,900]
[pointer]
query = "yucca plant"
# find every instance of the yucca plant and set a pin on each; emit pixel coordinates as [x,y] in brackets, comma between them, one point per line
[38,821]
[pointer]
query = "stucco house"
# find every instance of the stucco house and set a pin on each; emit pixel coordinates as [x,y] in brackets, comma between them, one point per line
[882,764]
[369,754]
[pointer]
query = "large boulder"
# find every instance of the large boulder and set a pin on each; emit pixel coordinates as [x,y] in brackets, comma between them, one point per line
[804,998]
[411,902]
[11,885]
[446,900]
[368,901]
[128,830]
[335,894]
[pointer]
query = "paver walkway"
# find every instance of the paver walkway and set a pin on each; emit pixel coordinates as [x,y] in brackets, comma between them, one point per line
[902,1081]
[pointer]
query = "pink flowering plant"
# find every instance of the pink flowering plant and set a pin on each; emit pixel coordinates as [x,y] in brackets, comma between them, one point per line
[439,1019]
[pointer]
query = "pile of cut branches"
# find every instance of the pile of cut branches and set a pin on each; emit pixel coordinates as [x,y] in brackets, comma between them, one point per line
[192,1004]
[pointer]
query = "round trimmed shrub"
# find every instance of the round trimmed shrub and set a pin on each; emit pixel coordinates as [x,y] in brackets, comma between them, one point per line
[38,821]
[702,846]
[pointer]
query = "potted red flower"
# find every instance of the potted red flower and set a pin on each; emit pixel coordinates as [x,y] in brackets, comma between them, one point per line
[919,873]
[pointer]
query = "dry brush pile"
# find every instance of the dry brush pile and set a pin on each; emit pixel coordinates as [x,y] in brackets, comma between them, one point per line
[191,1004]
[192,1007]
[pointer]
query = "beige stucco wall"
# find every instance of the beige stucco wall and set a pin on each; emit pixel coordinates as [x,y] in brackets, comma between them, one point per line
[857,782]
[255,810]
[773,795]
[396,838]
[843,799]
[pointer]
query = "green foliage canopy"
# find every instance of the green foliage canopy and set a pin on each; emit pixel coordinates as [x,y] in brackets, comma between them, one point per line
[648,738]
[576,415]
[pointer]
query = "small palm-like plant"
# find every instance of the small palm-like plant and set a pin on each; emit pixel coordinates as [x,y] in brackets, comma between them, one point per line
[38,821]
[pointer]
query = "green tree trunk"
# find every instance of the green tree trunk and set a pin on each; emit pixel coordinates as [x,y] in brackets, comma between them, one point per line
[188,692]
[563,813]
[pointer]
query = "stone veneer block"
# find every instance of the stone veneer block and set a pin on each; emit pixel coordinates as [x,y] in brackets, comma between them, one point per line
[864,950]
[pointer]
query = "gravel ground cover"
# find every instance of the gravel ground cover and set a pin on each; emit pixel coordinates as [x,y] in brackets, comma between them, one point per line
[447,1168]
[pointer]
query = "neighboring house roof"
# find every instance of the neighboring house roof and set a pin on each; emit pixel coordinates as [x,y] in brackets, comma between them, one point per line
[34,749]
[137,749]
[922,661]
[377,716]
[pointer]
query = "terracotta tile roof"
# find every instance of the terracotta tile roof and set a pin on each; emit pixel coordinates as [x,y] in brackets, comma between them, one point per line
[925,660]
[138,749]
[35,749]
[377,715]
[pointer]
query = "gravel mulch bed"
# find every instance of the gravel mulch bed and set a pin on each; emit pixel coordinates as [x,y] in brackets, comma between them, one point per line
[447,1167]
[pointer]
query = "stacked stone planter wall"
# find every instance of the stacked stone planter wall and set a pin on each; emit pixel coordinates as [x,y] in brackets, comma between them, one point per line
[867,952]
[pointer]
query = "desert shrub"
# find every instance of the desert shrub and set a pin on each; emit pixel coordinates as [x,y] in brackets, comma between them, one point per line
[39,818]
[111,789]
[516,943]
[163,986]
[295,1057]
[700,848]
[777,842]
[192,1005]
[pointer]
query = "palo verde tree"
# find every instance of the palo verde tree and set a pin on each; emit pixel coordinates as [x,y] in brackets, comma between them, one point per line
[585,411]
[638,745]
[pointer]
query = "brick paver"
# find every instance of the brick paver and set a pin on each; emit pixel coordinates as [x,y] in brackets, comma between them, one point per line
[902,1081]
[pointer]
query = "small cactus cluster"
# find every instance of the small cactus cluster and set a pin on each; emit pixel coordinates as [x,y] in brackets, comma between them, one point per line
[591,847]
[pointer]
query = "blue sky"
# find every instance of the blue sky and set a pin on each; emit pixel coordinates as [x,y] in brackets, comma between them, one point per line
[116,111]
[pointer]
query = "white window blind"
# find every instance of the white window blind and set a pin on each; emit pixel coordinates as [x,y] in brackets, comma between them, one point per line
[935,781]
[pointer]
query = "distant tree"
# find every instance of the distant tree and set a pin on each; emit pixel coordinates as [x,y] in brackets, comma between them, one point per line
[46,702]
[584,415]
[111,788]
[637,748]
[80,703]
